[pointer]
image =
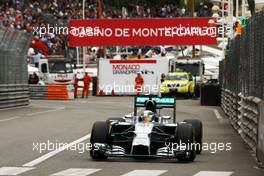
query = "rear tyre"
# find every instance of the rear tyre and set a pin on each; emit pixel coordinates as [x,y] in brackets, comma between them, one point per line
[191,95]
[197,91]
[187,95]
[185,136]
[198,132]
[99,135]
[163,95]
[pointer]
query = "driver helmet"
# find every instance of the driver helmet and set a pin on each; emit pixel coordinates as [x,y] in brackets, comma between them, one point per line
[147,116]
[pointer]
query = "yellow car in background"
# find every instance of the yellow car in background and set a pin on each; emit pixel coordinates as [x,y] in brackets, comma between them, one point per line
[177,83]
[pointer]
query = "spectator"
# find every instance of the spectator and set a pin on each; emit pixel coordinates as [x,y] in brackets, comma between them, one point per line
[88,56]
[36,58]
[25,15]
[33,79]
[149,53]
[30,53]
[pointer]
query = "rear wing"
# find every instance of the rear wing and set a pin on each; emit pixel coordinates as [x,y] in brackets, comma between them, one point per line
[161,102]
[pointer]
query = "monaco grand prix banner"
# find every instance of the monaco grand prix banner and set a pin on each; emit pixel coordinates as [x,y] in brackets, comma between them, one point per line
[125,32]
[118,76]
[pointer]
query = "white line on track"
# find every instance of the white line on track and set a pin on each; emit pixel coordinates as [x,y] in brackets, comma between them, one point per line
[145,173]
[32,114]
[217,114]
[11,118]
[55,152]
[14,170]
[76,172]
[214,173]
[43,112]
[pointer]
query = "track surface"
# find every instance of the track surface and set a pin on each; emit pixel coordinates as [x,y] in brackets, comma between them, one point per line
[71,122]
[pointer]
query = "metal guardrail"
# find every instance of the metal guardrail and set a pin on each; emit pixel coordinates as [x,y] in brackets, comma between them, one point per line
[38,92]
[248,119]
[260,136]
[13,95]
[229,104]
[244,114]
[241,77]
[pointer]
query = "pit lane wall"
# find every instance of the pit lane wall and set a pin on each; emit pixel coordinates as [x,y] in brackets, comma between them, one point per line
[13,68]
[242,84]
[118,76]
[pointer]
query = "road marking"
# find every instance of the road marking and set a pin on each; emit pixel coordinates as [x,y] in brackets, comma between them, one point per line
[217,114]
[14,170]
[32,114]
[43,112]
[214,173]
[11,118]
[76,172]
[145,173]
[55,152]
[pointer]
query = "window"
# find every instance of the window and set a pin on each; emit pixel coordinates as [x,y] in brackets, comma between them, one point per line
[44,68]
[177,77]
[60,67]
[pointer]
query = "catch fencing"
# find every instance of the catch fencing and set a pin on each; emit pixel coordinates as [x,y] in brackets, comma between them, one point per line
[13,68]
[242,70]
[242,81]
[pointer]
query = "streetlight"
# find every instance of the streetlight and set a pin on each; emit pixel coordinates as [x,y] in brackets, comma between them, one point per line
[83,17]
[192,14]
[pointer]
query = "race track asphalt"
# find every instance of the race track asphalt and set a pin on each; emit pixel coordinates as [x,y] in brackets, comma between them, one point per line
[23,130]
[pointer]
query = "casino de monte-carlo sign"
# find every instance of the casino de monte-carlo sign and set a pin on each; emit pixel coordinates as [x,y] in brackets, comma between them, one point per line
[142,32]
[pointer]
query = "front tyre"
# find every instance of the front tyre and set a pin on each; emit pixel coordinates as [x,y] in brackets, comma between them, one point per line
[185,136]
[100,134]
[198,131]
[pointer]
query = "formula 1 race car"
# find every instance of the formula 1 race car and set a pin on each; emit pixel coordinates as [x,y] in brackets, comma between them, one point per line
[148,134]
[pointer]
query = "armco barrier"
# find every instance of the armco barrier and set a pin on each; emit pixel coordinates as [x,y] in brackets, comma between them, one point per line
[260,138]
[245,115]
[38,92]
[248,119]
[13,95]
[229,104]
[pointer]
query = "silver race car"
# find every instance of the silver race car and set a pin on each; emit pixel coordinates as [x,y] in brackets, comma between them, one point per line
[148,134]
